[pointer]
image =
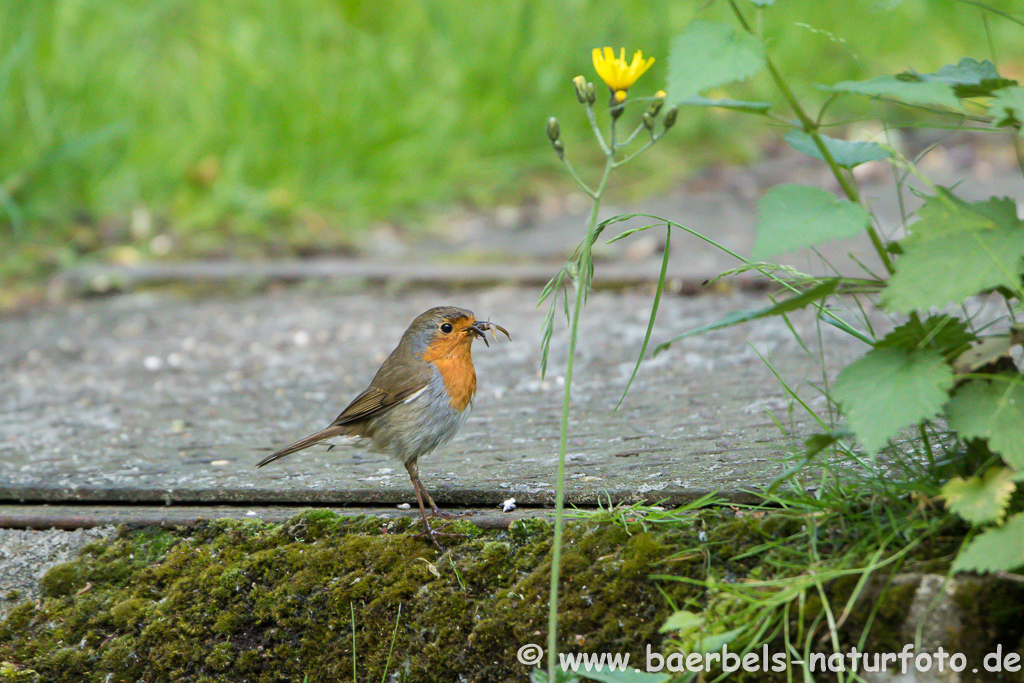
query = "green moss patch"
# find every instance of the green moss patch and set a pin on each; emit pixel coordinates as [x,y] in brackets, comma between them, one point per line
[249,601]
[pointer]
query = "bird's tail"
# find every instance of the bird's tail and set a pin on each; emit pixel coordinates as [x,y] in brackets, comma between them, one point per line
[332,431]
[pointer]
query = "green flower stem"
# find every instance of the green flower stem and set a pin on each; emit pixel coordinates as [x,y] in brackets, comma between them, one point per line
[632,136]
[597,131]
[582,281]
[811,128]
[579,181]
[654,138]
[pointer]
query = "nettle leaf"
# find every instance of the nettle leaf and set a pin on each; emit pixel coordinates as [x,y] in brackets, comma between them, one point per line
[845,153]
[994,550]
[912,92]
[992,410]
[981,500]
[710,54]
[945,333]
[968,78]
[737,105]
[795,216]
[1007,107]
[981,245]
[889,388]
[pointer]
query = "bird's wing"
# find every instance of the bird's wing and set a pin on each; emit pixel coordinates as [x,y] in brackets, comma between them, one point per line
[374,401]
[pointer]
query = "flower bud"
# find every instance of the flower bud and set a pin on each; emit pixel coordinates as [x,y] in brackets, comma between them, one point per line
[591,94]
[615,103]
[656,105]
[559,148]
[580,85]
[554,132]
[670,117]
[648,120]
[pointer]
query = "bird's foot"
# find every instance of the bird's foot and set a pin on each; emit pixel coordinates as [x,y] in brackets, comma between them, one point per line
[438,512]
[433,534]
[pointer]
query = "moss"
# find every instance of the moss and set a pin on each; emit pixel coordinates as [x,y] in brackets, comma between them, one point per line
[11,673]
[233,600]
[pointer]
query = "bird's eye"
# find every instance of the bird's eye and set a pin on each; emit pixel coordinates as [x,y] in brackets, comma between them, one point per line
[446,328]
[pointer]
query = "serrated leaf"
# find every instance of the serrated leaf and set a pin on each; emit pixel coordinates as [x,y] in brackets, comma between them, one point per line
[1007,107]
[981,500]
[682,620]
[994,550]
[889,388]
[711,54]
[845,153]
[992,410]
[911,92]
[981,242]
[945,214]
[799,301]
[967,78]
[944,333]
[977,261]
[738,105]
[795,216]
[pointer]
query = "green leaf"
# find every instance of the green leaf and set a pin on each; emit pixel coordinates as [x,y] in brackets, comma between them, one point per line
[710,54]
[889,388]
[682,620]
[994,550]
[630,675]
[944,333]
[946,214]
[738,105]
[1007,107]
[981,500]
[967,78]
[845,153]
[911,92]
[992,410]
[795,216]
[716,641]
[982,243]
[813,294]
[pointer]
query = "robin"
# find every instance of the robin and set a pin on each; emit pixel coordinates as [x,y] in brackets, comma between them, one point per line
[419,398]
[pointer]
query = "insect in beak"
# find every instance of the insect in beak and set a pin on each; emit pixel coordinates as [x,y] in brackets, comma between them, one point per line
[480,327]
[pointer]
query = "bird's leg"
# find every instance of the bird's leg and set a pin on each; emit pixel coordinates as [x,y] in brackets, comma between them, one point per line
[421,492]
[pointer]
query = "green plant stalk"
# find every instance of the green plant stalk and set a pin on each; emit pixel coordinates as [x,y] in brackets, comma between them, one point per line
[811,128]
[580,278]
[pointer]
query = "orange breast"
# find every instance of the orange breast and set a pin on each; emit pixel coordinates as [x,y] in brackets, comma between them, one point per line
[454,362]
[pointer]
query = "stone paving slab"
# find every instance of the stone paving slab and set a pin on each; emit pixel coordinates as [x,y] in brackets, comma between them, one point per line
[155,398]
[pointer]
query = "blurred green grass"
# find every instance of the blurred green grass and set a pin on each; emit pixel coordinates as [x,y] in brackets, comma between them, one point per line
[278,127]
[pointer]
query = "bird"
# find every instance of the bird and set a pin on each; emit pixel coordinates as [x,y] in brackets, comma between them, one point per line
[417,401]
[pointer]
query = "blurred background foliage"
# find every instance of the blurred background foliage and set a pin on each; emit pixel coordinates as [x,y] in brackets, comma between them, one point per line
[179,128]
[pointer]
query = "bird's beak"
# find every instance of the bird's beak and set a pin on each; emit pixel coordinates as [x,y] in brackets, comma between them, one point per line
[480,328]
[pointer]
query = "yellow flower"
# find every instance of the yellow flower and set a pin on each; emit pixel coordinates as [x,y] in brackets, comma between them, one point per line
[616,72]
